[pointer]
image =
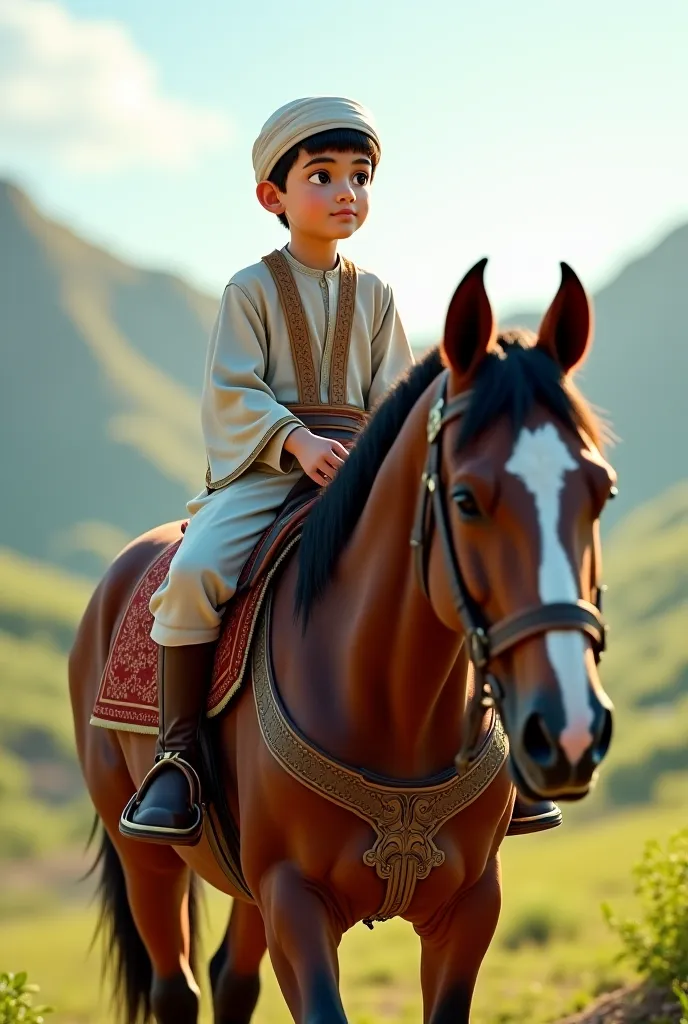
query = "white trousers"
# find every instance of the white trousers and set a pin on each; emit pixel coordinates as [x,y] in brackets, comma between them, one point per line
[224,528]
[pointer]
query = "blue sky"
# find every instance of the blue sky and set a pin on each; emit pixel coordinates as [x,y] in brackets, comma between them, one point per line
[529,132]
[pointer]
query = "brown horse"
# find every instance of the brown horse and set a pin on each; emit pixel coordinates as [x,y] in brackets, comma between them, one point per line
[486,457]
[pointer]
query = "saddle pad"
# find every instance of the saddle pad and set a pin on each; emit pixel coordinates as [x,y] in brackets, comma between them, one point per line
[127,697]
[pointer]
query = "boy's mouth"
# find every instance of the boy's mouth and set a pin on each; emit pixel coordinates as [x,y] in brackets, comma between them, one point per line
[344,213]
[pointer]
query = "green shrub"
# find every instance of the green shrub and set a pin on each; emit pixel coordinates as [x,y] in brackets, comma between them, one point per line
[16,999]
[657,943]
[538,925]
[682,997]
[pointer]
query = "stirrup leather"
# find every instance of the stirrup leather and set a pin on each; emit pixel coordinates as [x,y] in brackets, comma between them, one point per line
[154,833]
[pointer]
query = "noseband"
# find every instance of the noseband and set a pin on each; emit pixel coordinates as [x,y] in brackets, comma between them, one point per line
[486,642]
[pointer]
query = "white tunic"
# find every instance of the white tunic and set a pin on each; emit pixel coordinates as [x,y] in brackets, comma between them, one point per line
[250,379]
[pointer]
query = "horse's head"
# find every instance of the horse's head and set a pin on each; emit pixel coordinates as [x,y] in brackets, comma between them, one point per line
[517,482]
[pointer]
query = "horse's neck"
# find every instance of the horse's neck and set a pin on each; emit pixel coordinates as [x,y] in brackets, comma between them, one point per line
[399,674]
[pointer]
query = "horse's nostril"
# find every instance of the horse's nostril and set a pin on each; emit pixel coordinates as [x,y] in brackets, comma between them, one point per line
[603,736]
[538,743]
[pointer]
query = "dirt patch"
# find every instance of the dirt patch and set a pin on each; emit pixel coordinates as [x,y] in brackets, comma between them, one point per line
[635,1004]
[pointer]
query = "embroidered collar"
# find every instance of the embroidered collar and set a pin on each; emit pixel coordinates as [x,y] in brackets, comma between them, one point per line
[311,271]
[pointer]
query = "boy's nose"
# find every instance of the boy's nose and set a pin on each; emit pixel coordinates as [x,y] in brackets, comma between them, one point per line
[346,194]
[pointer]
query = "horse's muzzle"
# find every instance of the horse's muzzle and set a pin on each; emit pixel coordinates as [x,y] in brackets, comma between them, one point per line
[553,761]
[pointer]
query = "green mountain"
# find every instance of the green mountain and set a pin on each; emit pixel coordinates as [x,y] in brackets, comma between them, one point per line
[638,367]
[97,408]
[103,364]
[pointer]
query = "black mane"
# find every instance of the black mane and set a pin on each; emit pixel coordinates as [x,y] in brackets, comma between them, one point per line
[332,521]
[510,381]
[514,378]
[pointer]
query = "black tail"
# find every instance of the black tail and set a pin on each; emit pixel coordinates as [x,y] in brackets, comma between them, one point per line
[126,958]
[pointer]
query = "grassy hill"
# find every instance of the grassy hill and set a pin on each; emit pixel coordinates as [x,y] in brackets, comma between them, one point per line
[646,668]
[43,805]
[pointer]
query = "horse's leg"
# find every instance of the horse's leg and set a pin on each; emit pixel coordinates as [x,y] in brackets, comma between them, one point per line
[159,900]
[303,935]
[234,968]
[453,946]
[156,887]
[146,897]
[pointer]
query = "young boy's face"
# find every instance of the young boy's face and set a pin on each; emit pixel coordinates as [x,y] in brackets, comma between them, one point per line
[327,195]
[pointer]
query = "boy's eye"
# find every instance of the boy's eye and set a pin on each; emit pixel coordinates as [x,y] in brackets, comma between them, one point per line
[320,178]
[361,178]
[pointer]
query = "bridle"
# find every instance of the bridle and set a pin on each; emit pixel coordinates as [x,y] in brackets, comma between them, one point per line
[486,642]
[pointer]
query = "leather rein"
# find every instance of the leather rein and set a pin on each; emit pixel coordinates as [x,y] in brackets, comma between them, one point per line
[486,642]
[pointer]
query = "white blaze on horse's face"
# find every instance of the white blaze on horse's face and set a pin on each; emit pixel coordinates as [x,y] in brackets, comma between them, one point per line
[540,459]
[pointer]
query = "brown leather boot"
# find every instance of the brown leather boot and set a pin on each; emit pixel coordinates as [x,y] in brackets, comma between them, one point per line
[533,816]
[167,807]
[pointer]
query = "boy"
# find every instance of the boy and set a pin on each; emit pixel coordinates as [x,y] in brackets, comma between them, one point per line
[314,161]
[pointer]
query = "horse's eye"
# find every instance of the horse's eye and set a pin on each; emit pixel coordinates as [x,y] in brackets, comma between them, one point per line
[466,504]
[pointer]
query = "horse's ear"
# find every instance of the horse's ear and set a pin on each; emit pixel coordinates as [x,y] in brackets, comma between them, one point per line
[470,328]
[566,329]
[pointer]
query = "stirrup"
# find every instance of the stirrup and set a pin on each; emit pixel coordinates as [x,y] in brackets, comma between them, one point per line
[152,833]
[535,822]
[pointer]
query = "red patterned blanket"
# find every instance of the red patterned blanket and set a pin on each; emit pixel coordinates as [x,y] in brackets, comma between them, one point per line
[127,698]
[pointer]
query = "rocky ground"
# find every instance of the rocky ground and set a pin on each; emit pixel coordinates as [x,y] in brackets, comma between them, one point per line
[632,1005]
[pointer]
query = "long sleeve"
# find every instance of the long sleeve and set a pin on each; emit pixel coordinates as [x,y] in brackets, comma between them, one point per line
[243,423]
[391,352]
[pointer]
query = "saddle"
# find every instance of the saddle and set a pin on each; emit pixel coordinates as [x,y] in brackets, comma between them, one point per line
[127,696]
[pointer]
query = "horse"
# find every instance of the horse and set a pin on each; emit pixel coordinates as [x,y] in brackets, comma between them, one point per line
[445,596]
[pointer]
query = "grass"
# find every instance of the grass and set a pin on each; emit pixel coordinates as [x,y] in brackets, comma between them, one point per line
[560,877]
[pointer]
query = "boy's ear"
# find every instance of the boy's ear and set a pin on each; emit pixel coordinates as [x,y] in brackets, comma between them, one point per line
[269,197]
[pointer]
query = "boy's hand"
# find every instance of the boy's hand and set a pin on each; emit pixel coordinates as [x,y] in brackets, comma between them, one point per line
[319,458]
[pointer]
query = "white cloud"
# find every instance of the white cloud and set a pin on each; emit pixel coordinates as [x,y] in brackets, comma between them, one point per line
[80,93]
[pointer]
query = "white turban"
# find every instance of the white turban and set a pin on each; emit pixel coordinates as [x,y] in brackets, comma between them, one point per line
[299,119]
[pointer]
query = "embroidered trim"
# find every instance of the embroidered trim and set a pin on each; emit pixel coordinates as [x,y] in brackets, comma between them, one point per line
[142,730]
[218,484]
[299,338]
[405,819]
[348,280]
